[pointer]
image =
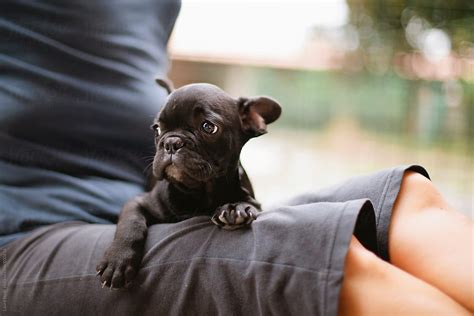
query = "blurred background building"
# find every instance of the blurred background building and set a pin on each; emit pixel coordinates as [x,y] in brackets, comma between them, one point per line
[364,85]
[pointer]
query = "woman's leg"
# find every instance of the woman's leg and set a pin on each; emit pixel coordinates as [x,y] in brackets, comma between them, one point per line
[372,286]
[431,241]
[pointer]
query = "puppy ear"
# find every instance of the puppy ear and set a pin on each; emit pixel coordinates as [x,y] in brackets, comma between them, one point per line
[256,113]
[165,83]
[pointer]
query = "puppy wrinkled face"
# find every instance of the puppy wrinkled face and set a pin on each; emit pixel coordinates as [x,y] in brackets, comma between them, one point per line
[197,136]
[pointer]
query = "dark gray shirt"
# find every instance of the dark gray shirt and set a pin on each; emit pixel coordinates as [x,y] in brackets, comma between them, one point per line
[77,95]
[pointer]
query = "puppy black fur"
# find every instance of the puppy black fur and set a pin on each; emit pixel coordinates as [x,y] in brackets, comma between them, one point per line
[199,135]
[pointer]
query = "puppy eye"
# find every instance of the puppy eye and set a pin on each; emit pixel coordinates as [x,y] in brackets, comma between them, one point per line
[157,129]
[209,128]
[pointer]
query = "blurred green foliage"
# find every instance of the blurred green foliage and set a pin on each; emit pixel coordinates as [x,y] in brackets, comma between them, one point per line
[379,103]
[383,22]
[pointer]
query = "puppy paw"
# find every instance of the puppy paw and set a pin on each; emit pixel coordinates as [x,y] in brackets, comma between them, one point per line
[235,215]
[118,267]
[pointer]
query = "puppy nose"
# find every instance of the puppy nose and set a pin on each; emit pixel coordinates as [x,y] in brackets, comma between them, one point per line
[172,144]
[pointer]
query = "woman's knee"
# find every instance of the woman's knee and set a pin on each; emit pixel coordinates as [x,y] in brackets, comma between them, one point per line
[418,202]
[418,193]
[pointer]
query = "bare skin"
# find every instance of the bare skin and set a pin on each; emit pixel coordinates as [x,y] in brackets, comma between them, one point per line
[374,287]
[431,241]
[431,268]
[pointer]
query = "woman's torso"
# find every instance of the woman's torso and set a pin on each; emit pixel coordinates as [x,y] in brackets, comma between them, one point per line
[77,95]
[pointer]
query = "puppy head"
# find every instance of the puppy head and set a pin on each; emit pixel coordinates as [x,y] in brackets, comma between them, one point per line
[200,131]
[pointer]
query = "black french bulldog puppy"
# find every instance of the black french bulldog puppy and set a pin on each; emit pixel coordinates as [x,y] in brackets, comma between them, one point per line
[199,134]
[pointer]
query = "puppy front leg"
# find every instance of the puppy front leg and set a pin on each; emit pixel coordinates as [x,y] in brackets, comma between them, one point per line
[122,259]
[237,215]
